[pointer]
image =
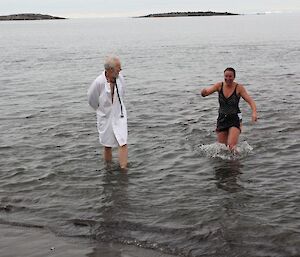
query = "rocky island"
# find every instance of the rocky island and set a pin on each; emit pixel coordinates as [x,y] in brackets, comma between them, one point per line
[186,14]
[29,16]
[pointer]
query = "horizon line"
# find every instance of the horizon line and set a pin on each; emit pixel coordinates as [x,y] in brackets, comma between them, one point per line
[131,15]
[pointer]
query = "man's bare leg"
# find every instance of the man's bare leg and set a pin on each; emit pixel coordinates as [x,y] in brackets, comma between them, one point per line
[123,156]
[107,154]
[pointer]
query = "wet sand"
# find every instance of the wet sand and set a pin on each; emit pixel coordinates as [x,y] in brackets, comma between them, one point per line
[34,242]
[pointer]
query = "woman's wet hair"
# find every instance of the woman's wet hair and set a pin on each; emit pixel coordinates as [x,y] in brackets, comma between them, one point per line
[230,69]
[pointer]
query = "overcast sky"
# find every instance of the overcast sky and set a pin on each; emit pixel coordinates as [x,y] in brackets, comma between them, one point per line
[116,8]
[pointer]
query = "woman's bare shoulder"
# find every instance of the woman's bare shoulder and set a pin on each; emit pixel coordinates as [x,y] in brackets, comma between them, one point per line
[240,88]
[218,85]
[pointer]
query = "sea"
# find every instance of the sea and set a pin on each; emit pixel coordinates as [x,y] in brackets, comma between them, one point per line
[183,194]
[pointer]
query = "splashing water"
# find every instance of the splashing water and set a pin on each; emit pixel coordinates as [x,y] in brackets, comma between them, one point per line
[217,150]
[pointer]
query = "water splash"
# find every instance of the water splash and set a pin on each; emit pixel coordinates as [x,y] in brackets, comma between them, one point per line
[217,150]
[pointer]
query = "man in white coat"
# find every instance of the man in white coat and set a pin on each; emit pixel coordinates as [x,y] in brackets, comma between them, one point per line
[105,96]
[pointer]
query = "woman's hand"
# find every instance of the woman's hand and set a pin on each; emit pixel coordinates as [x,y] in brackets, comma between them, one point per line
[204,92]
[254,116]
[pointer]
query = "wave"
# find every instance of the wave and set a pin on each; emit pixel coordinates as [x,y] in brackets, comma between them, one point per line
[21,224]
[218,150]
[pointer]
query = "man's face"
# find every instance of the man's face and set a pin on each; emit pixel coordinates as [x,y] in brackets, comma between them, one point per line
[113,73]
[117,69]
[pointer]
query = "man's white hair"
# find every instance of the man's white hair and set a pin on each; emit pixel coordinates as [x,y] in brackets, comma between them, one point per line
[111,62]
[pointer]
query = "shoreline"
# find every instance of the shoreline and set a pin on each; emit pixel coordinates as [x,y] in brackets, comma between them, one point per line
[34,242]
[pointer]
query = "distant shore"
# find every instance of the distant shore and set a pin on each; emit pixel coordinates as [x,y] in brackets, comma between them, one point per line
[186,14]
[29,16]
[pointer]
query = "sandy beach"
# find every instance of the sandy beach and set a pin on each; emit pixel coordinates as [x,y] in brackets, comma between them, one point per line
[34,242]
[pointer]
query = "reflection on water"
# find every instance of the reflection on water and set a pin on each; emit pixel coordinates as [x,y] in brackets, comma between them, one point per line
[115,194]
[227,173]
[114,199]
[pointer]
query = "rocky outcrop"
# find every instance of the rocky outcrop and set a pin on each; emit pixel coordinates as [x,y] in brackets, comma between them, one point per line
[186,14]
[29,16]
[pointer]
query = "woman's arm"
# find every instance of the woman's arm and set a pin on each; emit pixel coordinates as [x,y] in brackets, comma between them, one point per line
[210,90]
[243,93]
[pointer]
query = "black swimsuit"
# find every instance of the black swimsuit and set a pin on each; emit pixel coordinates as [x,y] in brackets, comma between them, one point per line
[228,111]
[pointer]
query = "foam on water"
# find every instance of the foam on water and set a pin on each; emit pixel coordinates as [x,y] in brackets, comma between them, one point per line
[217,150]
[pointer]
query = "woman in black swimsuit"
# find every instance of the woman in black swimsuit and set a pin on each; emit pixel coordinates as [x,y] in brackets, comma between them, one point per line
[230,118]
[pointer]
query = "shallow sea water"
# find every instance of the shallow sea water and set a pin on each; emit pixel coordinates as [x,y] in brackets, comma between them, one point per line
[183,194]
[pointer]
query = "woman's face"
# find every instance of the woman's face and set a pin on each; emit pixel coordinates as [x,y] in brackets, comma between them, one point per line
[228,77]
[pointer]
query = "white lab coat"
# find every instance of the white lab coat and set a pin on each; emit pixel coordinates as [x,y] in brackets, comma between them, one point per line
[111,127]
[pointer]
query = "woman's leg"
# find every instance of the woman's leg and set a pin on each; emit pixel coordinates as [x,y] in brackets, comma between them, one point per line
[233,137]
[123,156]
[222,137]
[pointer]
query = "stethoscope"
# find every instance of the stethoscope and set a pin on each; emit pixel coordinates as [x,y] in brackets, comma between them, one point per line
[122,115]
